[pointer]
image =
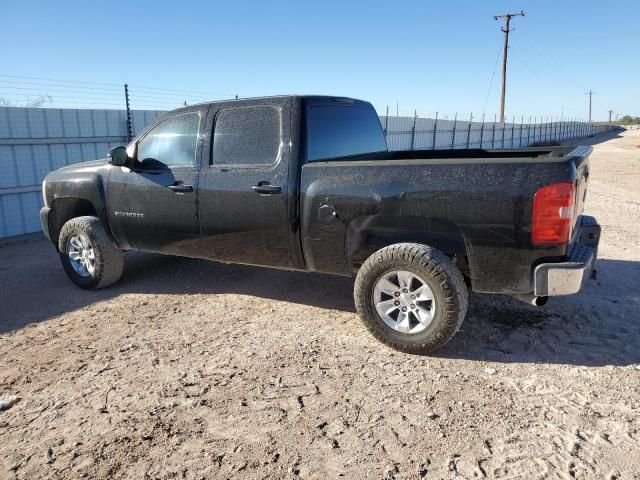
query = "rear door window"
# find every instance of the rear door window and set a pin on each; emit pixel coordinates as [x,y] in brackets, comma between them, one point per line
[247,136]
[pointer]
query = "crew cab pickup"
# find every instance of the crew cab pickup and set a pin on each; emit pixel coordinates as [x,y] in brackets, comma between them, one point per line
[306,183]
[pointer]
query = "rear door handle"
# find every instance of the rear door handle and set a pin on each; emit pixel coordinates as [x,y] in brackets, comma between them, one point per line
[180,188]
[267,189]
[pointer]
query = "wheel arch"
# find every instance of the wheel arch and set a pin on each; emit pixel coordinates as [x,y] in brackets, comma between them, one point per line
[65,208]
[366,235]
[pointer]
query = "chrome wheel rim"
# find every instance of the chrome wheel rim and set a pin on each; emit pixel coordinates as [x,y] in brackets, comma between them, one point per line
[404,301]
[81,255]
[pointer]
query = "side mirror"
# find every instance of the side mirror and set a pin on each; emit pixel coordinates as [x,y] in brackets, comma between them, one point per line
[118,156]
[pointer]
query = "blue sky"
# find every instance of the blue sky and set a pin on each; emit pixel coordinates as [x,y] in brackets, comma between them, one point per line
[427,55]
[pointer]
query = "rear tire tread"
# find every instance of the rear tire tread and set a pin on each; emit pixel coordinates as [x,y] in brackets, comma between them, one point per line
[432,263]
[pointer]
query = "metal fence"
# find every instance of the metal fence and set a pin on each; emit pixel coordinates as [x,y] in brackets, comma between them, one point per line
[415,133]
[34,141]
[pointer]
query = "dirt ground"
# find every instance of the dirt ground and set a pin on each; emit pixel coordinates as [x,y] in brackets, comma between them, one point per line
[191,369]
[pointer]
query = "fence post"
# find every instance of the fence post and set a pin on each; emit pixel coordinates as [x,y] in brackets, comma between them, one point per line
[469,129]
[540,129]
[482,131]
[576,128]
[513,129]
[572,128]
[413,129]
[435,129]
[504,128]
[129,121]
[547,132]
[561,127]
[521,122]
[386,124]
[453,132]
[529,132]
[493,132]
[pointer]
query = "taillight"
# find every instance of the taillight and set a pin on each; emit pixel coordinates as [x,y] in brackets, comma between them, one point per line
[552,217]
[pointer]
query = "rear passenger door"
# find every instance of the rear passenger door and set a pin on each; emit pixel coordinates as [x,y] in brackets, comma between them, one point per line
[243,196]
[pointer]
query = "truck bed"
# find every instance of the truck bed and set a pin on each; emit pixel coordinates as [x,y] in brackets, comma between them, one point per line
[468,203]
[516,155]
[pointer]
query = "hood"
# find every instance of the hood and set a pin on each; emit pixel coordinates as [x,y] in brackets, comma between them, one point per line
[77,169]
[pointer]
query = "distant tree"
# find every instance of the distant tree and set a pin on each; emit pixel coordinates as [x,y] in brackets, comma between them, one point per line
[629,120]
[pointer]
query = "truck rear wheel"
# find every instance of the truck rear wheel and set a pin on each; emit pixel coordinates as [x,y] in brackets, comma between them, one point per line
[89,257]
[411,297]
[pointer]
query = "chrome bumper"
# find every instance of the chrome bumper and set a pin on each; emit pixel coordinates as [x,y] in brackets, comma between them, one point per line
[566,278]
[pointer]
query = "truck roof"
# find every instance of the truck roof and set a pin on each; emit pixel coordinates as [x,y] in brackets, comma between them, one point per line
[309,100]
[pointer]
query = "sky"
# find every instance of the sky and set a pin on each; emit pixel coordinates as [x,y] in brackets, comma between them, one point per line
[431,56]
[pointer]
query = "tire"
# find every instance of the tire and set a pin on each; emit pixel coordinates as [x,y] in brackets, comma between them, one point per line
[428,324]
[107,262]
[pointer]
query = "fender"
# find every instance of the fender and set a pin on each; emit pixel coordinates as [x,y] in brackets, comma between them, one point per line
[368,234]
[74,191]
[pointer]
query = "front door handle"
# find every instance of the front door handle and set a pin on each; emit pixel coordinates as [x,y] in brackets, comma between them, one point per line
[267,189]
[179,187]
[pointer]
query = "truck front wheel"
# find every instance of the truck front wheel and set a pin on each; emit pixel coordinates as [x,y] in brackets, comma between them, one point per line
[89,257]
[411,297]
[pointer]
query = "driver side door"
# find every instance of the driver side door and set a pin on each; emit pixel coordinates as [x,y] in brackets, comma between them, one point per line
[153,207]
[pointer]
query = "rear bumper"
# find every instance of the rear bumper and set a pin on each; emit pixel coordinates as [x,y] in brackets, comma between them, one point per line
[566,278]
[44,221]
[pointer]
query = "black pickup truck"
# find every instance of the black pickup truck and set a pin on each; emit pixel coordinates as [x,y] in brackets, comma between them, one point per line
[306,183]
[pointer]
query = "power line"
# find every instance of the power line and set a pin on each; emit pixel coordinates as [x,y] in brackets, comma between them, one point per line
[54,80]
[119,86]
[21,82]
[495,66]
[506,30]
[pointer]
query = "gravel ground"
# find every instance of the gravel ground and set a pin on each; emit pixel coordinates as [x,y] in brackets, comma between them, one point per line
[191,369]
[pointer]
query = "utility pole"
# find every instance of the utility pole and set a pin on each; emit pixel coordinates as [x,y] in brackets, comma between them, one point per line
[591,94]
[610,113]
[506,30]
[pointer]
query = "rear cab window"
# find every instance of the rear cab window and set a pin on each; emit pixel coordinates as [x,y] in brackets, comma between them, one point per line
[342,127]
